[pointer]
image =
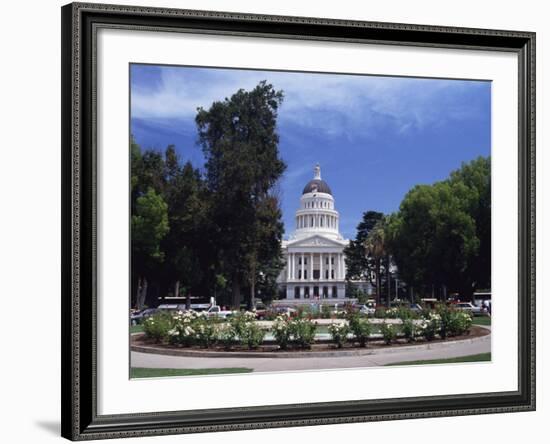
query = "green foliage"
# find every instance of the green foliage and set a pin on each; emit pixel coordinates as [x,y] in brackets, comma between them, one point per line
[359,264]
[282,332]
[459,323]
[339,333]
[149,226]
[246,330]
[156,327]
[430,326]
[240,144]
[360,328]
[389,332]
[409,329]
[303,332]
[441,233]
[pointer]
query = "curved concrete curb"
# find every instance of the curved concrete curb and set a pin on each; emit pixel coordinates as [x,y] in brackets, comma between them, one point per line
[308,354]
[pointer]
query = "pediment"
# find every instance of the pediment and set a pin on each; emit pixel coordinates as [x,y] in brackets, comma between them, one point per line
[315,241]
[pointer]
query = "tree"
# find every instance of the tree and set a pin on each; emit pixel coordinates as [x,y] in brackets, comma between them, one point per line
[359,264]
[187,240]
[240,143]
[149,226]
[376,248]
[437,235]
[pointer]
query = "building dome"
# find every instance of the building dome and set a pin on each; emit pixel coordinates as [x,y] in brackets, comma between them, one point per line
[317,185]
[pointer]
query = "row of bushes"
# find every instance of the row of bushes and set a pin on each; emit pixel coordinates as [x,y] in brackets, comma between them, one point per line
[195,329]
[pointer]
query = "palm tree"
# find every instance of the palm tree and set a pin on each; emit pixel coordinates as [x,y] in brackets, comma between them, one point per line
[376,247]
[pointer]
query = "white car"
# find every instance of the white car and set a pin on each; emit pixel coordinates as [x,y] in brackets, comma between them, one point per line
[366,310]
[216,312]
[468,307]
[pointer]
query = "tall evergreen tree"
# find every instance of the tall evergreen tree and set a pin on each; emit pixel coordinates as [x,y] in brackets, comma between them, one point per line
[239,139]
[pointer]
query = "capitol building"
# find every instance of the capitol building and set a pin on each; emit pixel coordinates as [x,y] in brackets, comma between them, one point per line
[314,254]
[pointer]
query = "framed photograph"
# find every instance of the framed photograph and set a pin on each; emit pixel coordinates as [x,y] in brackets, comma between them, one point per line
[281,221]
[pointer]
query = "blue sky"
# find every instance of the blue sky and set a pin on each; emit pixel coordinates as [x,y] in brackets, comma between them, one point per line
[374,137]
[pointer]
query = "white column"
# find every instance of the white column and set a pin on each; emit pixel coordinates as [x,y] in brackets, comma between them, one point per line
[288,265]
[302,266]
[330,266]
[321,266]
[293,269]
[311,267]
[343,266]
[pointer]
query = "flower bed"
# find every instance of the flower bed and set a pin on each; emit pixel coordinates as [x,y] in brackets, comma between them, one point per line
[242,332]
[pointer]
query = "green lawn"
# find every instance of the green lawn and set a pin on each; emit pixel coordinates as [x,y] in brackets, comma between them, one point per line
[140,372]
[482,320]
[470,358]
[136,328]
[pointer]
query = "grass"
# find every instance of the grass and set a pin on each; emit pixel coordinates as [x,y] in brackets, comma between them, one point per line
[136,328]
[482,320]
[141,372]
[470,358]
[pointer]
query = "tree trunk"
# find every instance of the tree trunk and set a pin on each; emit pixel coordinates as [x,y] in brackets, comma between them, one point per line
[378,281]
[388,278]
[252,294]
[141,293]
[236,293]
[177,289]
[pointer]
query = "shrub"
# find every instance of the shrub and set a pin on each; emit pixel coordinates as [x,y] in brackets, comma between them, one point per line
[303,332]
[245,329]
[380,313]
[361,329]
[253,335]
[282,332]
[389,332]
[431,326]
[339,333]
[409,329]
[156,327]
[326,312]
[459,323]
[206,331]
[227,336]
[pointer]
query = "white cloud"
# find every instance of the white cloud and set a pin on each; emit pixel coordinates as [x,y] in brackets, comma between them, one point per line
[334,104]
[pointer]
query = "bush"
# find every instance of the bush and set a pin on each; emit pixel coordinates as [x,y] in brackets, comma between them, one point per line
[303,332]
[431,326]
[282,332]
[206,331]
[253,335]
[156,327]
[339,333]
[183,331]
[409,329]
[245,329]
[389,332]
[361,329]
[459,323]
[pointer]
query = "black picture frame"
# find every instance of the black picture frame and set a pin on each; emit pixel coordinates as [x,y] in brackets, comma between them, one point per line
[79,386]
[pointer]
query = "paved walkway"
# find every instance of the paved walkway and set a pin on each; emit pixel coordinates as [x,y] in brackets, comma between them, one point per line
[378,358]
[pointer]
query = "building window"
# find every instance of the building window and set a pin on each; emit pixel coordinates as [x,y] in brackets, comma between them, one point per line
[334,292]
[305,274]
[306,292]
[326,274]
[325,292]
[332,274]
[296,292]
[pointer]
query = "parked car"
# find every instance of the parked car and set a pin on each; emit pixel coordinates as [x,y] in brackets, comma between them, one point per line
[417,308]
[365,309]
[216,312]
[468,307]
[137,317]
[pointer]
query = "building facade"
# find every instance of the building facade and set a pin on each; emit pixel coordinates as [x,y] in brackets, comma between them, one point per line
[315,264]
